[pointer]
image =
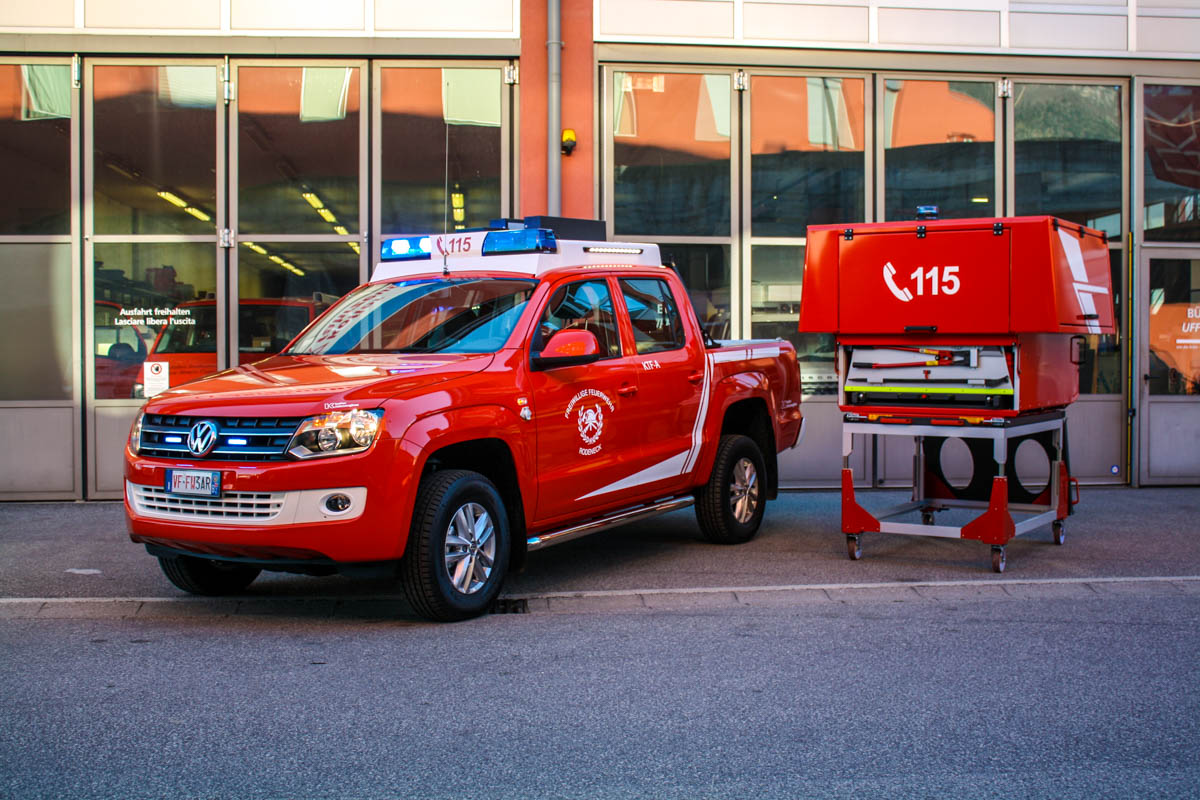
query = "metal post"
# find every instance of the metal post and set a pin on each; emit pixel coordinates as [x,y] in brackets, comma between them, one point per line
[553,108]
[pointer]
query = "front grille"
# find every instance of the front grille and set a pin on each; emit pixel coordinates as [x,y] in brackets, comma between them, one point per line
[165,436]
[153,501]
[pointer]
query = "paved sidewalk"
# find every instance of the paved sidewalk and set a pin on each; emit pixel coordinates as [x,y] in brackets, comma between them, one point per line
[74,560]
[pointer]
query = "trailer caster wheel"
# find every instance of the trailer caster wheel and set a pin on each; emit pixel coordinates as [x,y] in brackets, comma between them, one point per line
[853,547]
[1059,531]
[926,517]
[999,558]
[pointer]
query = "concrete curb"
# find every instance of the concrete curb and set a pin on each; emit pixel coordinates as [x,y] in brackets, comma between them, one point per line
[639,600]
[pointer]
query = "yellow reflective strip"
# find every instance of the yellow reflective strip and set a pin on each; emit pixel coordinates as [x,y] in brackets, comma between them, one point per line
[929,390]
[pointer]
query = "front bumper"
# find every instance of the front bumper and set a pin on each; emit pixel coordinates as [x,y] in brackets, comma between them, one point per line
[276,509]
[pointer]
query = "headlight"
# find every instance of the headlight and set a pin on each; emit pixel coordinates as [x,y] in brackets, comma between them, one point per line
[338,433]
[135,433]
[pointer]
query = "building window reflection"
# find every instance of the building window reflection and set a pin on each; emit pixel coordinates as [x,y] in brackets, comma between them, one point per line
[1172,163]
[1068,153]
[806,153]
[441,148]
[939,148]
[671,154]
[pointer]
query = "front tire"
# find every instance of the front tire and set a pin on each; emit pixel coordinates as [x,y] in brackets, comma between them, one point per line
[730,506]
[206,576]
[458,545]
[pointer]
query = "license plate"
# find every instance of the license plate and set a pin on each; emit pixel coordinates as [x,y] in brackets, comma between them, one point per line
[195,482]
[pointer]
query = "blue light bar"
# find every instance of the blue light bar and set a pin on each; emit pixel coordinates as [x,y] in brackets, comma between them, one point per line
[407,248]
[528,240]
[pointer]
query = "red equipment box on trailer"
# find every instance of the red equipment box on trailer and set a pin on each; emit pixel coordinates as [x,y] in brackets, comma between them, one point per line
[955,316]
[968,329]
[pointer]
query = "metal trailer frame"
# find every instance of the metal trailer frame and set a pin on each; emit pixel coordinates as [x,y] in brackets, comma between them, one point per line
[995,526]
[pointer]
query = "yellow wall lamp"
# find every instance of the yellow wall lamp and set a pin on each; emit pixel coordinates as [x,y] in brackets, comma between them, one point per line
[569,141]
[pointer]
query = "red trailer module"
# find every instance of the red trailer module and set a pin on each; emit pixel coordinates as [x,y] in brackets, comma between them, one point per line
[965,329]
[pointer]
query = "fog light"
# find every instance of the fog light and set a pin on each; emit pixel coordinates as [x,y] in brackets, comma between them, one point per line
[337,503]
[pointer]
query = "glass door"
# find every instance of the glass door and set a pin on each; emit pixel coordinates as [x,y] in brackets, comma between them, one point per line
[153,206]
[298,141]
[1170,368]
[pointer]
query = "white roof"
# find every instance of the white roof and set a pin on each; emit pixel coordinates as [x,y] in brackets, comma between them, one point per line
[462,252]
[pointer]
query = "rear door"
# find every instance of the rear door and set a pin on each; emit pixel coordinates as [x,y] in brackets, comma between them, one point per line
[587,441]
[672,382]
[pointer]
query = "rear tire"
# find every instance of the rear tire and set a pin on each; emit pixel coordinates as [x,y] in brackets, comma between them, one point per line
[206,576]
[729,508]
[458,546]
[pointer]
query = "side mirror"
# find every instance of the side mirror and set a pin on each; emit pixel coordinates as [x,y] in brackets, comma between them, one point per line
[568,349]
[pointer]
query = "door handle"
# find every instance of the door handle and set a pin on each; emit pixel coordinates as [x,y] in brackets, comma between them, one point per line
[627,390]
[696,377]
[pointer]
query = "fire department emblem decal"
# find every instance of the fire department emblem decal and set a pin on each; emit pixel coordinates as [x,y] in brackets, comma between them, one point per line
[588,408]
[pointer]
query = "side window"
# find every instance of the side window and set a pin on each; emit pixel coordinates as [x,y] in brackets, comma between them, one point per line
[656,323]
[584,306]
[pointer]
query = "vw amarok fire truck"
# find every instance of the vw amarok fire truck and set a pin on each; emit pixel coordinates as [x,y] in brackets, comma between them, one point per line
[487,394]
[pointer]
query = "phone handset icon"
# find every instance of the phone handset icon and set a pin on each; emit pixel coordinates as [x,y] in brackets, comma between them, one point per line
[901,294]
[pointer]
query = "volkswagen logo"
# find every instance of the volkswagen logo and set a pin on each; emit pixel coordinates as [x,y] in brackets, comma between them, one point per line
[202,438]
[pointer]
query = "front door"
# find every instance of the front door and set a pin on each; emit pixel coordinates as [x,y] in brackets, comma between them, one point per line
[1170,361]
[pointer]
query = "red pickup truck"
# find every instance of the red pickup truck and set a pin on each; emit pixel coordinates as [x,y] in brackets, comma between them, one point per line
[487,394]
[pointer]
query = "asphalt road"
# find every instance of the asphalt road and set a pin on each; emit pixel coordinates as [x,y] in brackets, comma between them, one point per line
[974,697]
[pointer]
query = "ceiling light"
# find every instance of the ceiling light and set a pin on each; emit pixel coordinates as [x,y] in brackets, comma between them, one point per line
[354,246]
[173,199]
[327,215]
[457,200]
[340,230]
[312,199]
[198,214]
[262,251]
[981,200]
[277,259]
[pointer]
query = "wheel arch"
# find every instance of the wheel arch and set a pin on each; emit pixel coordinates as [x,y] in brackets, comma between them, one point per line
[493,458]
[750,416]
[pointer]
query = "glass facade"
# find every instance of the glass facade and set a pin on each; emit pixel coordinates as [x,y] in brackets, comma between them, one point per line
[155,303]
[284,286]
[35,149]
[939,140]
[1174,330]
[442,137]
[154,146]
[1068,153]
[1171,136]
[671,154]
[298,150]
[705,271]
[807,142]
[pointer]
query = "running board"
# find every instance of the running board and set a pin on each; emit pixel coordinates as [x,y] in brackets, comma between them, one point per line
[603,524]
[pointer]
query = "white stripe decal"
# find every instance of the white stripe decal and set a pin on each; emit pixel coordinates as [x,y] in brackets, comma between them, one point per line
[722,356]
[701,415]
[671,468]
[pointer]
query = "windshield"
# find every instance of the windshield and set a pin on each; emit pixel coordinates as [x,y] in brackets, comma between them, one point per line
[439,315]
